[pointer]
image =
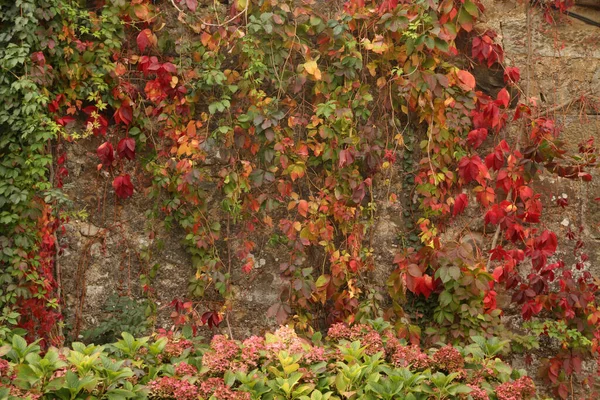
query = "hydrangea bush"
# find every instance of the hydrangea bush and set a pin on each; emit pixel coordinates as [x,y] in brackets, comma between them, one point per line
[364,361]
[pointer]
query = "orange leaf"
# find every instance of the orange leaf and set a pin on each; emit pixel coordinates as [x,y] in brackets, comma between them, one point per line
[466,80]
[191,129]
[303,208]
[141,11]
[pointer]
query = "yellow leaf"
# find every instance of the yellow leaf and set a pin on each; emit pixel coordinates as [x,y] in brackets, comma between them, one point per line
[174,81]
[268,221]
[372,68]
[448,101]
[184,149]
[312,68]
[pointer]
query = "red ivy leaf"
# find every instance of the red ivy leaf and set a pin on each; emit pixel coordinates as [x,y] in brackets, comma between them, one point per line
[126,148]
[346,158]
[124,114]
[497,274]
[495,160]
[54,105]
[248,265]
[424,285]
[191,4]
[466,80]
[530,308]
[414,270]
[484,49]
[38,58]
[65,120]
[460,203]
[495,214]
[512,75]
[542,247]
[503,97]
[105,153]
[212,318]
[525,192]
[489,301]
[280,311]
[585,176]
[476,137]
[123,186]
[471,168]
[145,39]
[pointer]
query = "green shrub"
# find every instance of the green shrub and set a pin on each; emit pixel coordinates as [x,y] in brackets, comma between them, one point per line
[124,315]
[358,362]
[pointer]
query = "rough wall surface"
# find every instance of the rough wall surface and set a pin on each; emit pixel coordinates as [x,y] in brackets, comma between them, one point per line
[564,64]
[106,252]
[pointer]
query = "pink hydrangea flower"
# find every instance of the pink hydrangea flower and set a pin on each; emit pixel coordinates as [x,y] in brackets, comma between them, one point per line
[221,354]
[410,356]
[216,387]
[183,369]
[478,393]
[448,359]
[251,350]
[521,389]
[167,386]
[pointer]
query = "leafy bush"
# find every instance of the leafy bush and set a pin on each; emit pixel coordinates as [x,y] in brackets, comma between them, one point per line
[125,315]
[358,362]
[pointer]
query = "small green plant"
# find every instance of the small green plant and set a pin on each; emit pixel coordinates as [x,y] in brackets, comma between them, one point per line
[126,315]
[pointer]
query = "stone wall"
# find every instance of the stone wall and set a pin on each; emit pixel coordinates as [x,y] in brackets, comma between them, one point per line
[106,252]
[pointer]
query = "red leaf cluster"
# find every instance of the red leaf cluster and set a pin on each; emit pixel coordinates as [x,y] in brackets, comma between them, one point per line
[472,169]
[123,186]
[485,50]
[126,148]
[124,113]
[105,153]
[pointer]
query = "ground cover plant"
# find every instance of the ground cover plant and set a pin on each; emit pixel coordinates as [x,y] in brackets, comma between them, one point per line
[295,123]
[365,361]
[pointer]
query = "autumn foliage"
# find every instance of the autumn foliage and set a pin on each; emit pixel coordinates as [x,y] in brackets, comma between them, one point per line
[284,126]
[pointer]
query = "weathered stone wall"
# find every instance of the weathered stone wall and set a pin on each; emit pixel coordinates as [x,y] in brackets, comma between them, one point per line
[564,65]
[105,253]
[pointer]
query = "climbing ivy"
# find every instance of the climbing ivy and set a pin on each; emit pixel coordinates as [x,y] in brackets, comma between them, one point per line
[292,122]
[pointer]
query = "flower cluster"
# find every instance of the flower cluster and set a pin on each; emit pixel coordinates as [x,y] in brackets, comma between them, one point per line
[221,354]
[410,356]
[520,389]
[315,355]
[285,339]
[169,387]
[338,331]
[478,393]
[16,393]
[4,367]
[175,345]
[183,369]
[217,388]
[405,356]
[367,336]
[448,359]
[251,350]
